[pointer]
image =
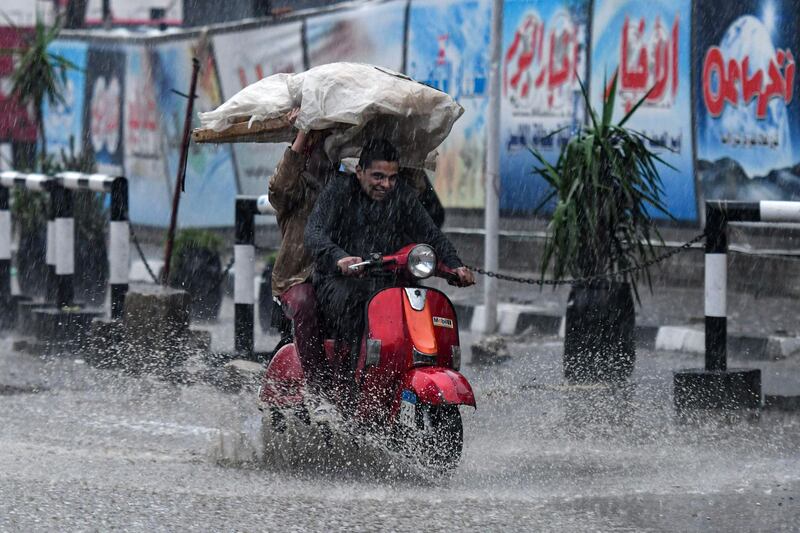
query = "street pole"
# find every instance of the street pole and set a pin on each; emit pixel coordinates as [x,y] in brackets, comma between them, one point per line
[492,192]
[181,177]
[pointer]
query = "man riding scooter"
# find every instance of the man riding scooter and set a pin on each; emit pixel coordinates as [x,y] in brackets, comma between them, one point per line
[293,190]
[356,216]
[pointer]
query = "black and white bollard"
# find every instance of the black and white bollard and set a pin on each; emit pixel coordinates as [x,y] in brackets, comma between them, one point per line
[119,249]
[50,252]
[119,229]
[65,246]
[32,182]
[6,300]
[716,386]
[244,254]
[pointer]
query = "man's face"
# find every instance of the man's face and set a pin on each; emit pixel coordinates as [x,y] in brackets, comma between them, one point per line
[378,179]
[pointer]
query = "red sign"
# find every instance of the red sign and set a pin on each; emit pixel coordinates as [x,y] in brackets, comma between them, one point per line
[15,122]
[730,82]
[541,60]
[648,63]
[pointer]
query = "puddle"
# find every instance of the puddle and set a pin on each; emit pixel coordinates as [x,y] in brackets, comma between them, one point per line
[11,390]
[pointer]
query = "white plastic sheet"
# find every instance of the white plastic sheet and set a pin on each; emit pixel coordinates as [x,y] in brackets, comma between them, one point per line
[265,99]
[357,101]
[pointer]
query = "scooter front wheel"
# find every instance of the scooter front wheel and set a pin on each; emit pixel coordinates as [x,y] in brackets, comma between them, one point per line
[438,440]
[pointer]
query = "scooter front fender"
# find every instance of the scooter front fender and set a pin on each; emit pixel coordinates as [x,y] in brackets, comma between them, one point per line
[436,385]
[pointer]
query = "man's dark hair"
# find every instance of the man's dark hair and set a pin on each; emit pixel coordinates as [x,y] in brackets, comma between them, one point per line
[377,150]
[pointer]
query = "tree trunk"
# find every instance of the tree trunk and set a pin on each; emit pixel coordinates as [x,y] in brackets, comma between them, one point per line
[76,14]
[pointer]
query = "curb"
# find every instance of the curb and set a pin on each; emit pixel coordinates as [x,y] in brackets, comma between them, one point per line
[514,319]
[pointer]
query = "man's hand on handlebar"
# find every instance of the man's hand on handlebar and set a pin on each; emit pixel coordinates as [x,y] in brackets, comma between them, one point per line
[344,266]
[465,277]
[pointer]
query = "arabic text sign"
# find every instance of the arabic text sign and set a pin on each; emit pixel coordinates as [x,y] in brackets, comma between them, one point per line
[544,53]
[747,113]
[646,45]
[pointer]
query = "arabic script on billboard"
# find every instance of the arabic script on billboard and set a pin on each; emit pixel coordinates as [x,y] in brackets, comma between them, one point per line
[747,113]
[544,57]
[645,46]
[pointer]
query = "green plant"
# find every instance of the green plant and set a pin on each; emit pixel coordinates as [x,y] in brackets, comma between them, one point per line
[607,185]
[195,239]
[39,74]
[271,257]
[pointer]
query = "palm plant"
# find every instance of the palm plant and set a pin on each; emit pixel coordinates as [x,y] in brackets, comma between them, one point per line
[607,185]
[39,73]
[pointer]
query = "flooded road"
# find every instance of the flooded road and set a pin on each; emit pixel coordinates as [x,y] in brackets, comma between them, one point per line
[96,450]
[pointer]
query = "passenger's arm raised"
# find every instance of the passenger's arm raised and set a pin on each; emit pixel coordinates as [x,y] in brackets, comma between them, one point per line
[285,185]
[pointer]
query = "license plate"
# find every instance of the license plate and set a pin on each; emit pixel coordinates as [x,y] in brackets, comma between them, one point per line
[408,409]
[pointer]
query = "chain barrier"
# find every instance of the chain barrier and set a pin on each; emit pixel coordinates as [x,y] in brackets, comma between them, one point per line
[141,254]
[589,279]
[155,278]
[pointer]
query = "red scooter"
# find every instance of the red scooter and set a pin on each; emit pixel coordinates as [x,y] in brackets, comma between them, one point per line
[406,378]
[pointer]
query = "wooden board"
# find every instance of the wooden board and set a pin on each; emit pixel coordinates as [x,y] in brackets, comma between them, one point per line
[262,131]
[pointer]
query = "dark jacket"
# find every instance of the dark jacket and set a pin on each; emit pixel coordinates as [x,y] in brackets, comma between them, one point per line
[347,222]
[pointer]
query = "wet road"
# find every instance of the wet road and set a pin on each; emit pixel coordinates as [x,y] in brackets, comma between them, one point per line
[94,450]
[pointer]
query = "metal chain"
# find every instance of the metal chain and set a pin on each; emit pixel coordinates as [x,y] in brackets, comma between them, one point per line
[155,279]
[141,254]
[589,279]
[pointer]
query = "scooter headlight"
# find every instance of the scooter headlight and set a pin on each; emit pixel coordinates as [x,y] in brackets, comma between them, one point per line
[422,261]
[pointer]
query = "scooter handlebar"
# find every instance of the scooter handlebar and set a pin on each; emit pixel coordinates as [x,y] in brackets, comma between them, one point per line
[448,274]
[356,266]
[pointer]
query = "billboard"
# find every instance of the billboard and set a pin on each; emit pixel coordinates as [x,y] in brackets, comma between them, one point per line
[543,57]
[210,175]
[370,34]
[63,122]
[244,58]
[145,164]
[647,46]
[448,48]
[746,105]
[103,107]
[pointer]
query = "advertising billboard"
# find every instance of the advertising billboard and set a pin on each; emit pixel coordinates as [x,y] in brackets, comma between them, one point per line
[103,109]
[544,55]
[646,45]
[63,121]
[145,162]
[448,49]
[746,105]
[369,34]
[210,175]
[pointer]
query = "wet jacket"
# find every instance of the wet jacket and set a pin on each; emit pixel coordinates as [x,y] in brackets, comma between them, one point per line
[347,222]
[293,193]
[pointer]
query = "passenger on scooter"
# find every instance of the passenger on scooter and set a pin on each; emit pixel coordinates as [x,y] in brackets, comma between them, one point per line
[355,216]
[293,190]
